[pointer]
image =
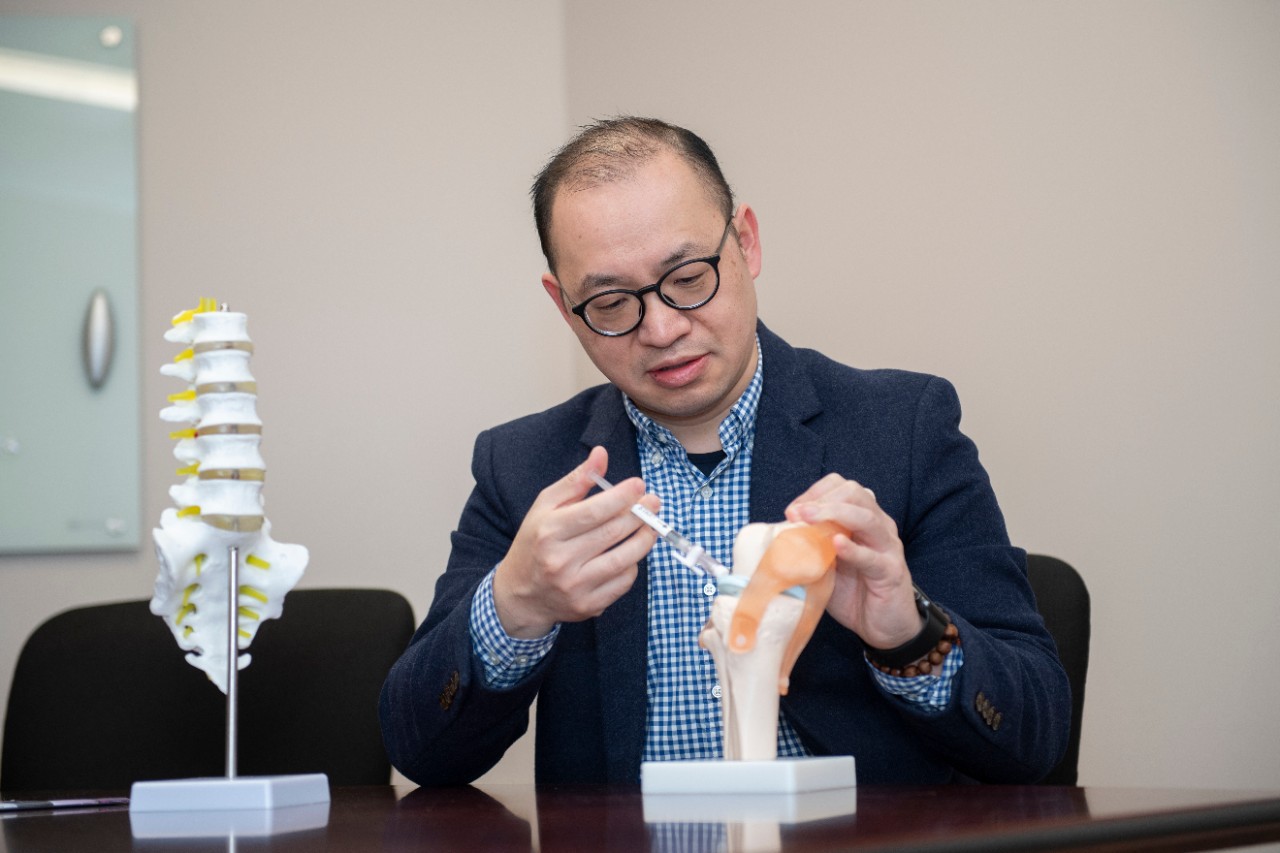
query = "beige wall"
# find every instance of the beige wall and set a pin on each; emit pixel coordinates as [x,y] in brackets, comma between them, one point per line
[1070,209]
[1073,211]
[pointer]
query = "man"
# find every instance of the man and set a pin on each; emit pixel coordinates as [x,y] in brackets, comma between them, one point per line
[555,590]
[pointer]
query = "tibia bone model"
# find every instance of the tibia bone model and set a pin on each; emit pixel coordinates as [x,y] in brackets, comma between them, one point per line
[760,622]
[219,504]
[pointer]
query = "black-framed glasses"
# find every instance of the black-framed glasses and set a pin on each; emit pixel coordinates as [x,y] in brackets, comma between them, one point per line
[686,286]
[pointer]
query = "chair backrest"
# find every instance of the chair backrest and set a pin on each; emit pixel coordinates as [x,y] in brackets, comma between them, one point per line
[102,697]
[1063,601]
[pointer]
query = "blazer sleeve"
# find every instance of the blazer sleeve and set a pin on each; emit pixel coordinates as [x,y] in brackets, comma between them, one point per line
[1010,712]
[441,724]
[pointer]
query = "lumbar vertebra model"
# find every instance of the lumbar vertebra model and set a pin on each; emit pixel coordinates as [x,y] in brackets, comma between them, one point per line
[219,505]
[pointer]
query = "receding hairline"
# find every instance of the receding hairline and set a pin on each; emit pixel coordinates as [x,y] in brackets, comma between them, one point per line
[613,151]
[594,171]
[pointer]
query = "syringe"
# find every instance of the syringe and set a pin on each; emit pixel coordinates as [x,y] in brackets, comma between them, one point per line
[690,555]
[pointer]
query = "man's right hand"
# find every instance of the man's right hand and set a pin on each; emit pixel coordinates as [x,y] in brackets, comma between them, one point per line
[573,556]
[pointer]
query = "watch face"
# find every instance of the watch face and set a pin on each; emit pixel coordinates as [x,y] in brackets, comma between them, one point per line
[922,600]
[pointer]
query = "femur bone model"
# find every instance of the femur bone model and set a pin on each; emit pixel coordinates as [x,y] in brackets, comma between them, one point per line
[761,621]
[219,504]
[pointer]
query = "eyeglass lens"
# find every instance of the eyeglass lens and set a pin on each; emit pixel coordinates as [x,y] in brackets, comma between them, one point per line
[686,286]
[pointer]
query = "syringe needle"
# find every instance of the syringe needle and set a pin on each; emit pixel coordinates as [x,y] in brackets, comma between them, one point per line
[690,555]
[638,510]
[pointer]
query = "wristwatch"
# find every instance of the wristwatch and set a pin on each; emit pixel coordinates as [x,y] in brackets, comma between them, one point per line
[935,625]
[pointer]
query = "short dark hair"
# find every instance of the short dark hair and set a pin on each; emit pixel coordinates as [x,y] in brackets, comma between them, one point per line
[611,149]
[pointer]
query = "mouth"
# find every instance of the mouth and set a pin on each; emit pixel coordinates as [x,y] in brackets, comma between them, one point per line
[674,374]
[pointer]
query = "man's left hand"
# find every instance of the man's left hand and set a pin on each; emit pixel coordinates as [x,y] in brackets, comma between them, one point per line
[873,594]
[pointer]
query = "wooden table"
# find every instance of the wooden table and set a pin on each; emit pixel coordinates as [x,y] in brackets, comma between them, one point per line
[978,818]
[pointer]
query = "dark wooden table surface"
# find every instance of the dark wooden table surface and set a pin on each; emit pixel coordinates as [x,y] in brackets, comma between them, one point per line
[978,818]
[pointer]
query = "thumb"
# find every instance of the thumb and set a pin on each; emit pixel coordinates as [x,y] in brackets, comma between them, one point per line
[575,485]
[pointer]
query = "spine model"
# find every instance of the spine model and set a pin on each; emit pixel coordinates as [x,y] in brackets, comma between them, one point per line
[219,504]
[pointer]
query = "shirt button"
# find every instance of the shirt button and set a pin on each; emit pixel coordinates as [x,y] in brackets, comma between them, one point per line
[706,491]
[709,589]
[521,660]
[716,692]
[655,458]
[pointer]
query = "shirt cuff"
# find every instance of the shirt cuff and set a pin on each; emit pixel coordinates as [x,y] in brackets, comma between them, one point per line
[506,659]
[930,692]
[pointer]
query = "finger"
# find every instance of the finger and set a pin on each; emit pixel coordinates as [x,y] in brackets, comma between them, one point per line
[865,522]
[606,517]
[831,489]
[607,576]
[575,485]
[612,587]
[584,532]
[847,491]
[610,503]
[819,490]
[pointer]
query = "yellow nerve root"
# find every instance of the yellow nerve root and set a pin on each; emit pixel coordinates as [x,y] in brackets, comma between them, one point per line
[187,606]
[257,562]
[178,435]
[206,304]
[188,510]
[247,613]
[190,470]
[183,396]
[185,354]
[254,592]
[244,635]
[199,561]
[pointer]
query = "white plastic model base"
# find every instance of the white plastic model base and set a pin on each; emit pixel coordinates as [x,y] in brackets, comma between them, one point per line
[222,794]
[750,808]
[779,776]
[229,824]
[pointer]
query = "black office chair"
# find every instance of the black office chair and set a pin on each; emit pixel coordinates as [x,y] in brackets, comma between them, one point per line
[1063,601]
[102,697]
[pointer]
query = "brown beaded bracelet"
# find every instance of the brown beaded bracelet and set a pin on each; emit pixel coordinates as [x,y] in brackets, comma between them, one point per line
[924,666]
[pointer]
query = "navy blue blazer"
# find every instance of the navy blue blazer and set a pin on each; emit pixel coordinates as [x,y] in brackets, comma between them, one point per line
[895,432]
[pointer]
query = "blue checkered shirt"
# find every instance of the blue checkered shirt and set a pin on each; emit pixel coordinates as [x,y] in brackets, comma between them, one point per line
[683,701]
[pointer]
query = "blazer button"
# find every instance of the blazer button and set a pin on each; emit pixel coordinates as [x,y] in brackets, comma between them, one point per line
[450,690]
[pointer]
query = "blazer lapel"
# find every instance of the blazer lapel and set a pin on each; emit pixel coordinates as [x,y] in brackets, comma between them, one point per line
[787,456]
[622,630]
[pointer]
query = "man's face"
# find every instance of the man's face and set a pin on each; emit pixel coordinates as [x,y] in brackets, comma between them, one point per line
[684,369]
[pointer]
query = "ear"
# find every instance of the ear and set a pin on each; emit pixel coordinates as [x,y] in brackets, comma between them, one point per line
[552,287]
[744,221]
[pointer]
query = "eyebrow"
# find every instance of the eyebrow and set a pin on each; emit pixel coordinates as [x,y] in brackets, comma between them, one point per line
[596,282]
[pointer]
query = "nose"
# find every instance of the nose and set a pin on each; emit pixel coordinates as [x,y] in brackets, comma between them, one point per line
[662,325]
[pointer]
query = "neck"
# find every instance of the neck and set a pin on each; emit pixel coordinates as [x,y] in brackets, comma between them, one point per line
[697,438]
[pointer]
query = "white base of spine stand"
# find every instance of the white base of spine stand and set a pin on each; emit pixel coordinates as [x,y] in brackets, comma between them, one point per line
[243,807]
[220,793]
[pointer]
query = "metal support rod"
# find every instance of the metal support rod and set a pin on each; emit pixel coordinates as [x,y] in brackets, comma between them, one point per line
[233,654]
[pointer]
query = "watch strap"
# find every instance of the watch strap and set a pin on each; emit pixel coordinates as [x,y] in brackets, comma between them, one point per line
[935,626]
